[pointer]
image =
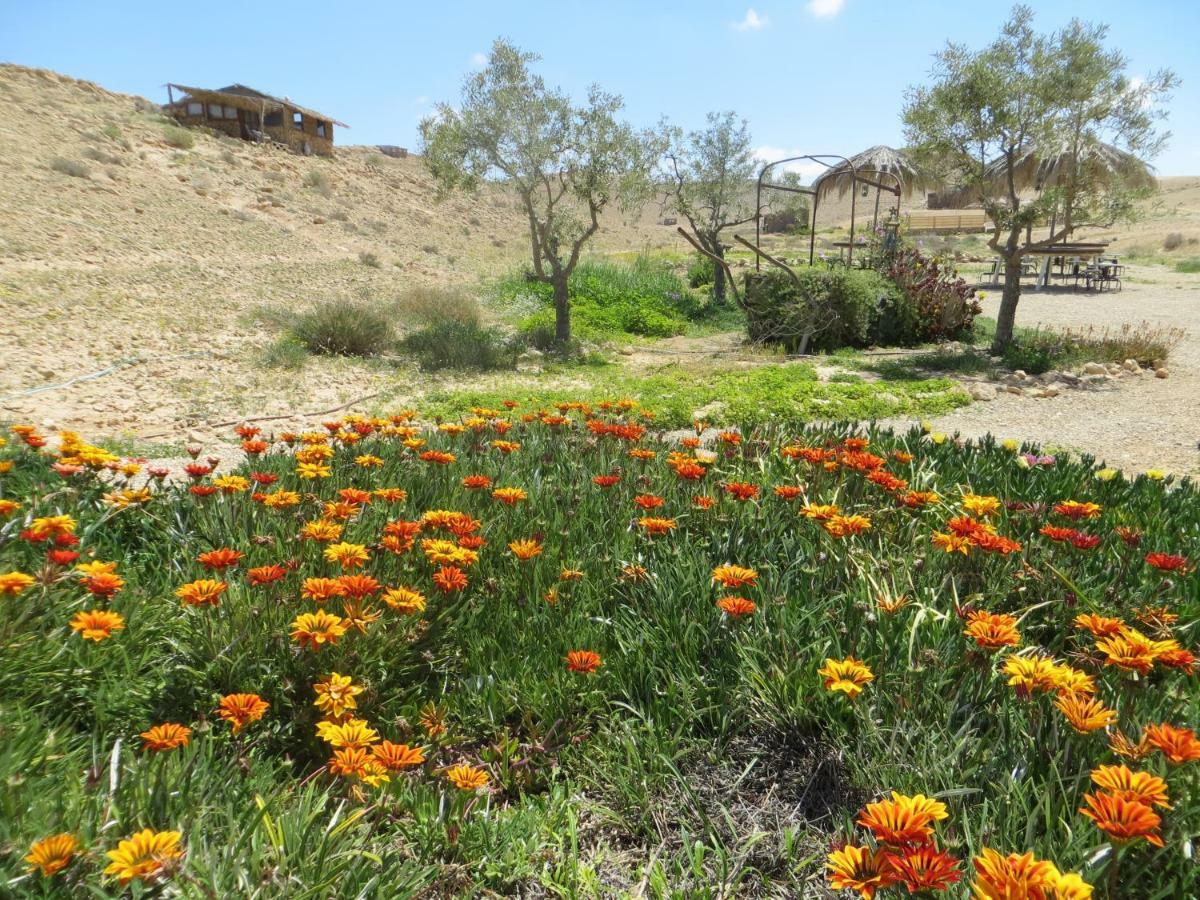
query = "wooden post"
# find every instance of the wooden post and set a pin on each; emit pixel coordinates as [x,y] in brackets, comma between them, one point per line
[170,98]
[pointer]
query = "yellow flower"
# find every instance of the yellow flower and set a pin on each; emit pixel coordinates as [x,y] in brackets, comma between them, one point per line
[980,505]
[335,695]
[1011,445]
[405,600]
[353,734]
[1106,474]
[467,778]
[52,854]
[348,556]
[97,624]
[1156,474]
[846,675]
[232,484]
[314,630]
[12,583]
[144,855]
[313,470]
[938,437]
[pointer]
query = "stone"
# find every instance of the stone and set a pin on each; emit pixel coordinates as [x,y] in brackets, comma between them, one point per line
[1094,368]
[709,410]
[1069,378]
[984,392]
[625,351]
[1162,372]
[1015,389]
[1131,365]
[1094,380]
[1046,392]
[1058,387]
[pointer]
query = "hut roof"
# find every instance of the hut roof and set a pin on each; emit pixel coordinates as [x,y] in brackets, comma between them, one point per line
[873,160]
[1038,170]
[242,96]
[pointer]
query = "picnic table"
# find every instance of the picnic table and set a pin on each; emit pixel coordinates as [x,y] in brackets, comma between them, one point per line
[1075,261]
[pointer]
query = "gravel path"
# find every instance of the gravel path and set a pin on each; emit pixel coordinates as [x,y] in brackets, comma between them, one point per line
[1137,423]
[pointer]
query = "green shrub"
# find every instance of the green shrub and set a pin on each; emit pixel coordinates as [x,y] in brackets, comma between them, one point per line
[1037,350]
[179,137]
[343,328]
[931,302]
[285,353]
[369,259]
[701,272]
[461,345]
[835,307]
[1188,266]
[425,305]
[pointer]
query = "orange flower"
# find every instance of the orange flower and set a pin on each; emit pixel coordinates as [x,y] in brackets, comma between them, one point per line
[918,499]
[951,543]
[97,624]
[992,630]
[841,526]
[167,736]
[314,630]
[448,579]
[647,501]
[736,607]
[703,501]
[1073,509]
[741,490]
[220,560]
[144,856]
[903,821]
[433,720]
[1167,562]
[52,854]
[925,868]
[1121,819]
[847,675]
[510,495]
[358,762]
[605,481]
[730,576]
[525,549]
[438,457]
[820,512]
[357,587]
[477,482]
[1012,877]
[320,590]
[655,525]
[859,869]
[1131,650]
[396,757]
[585,662]
[12,583]
[241,709]
[404,600]
[266,574]
[1178,745]
[1086,714]
[467,778]
[1099,626]
[1124,782]
[204,592]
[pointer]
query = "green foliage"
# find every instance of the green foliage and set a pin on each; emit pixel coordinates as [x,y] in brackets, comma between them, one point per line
[286,352]
[824,310]
[700,271]
[1039,349]
[342,328]
[461,345]
[179,137]
[1188,266]
[931,302]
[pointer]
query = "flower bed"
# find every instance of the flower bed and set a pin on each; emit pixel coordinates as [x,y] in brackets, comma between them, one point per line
[495,655]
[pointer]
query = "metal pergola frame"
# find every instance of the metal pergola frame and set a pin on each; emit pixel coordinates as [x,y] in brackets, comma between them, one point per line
[855,179]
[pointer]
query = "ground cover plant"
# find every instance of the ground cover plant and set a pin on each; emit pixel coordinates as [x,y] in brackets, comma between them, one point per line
[556,651]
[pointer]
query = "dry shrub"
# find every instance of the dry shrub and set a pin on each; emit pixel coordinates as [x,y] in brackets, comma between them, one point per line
[1173,241]
[72,167]
[425,305]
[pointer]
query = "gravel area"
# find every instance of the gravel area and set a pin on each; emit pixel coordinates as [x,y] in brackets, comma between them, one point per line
[1135,424]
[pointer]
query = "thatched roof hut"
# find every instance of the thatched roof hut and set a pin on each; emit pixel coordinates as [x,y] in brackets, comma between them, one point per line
[1037,171]
[872,161]
[244,112]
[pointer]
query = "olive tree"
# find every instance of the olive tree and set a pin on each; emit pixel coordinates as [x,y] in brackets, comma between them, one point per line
[566,163]
[708,177]
[1039,130]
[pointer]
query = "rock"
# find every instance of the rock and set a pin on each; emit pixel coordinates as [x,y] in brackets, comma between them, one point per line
[1021,375]
[709,410]
[1094,380]
[319,220]
[1069,378]
[1162,372]
[984,392]
[196,437]
[1014,389]
[1094,368]
[1058,387]
[1045,393]
[1115,369]
[1131,365]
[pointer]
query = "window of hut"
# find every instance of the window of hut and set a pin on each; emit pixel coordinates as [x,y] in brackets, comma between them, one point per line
[195,109]
[298,120]
[231,112]
[214,110]
[273,119]
[322,130]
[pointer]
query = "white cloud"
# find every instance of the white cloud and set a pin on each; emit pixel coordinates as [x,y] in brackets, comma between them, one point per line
[825,9]
[752,22]
[421,101]
[805,168]
[478,60]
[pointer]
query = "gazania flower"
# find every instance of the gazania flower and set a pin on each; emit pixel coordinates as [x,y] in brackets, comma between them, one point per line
[203,592]
[736,607]
[1124,782]
[847,675]
[1121,819]
[45,527]
[703,501]
[167,736]
[570,575]
[357,615]
[859,869]
[358,587]
[314,630]
[477,482]
[886,603]
[509,495]
[433,720]
[820,512]
[647,501]
[1178,745]
[1167,562]
[841,526]
[467,778]
[903,821]
[397,757]
[220,560]
[525,549]
[925,868]
[261,575]
[952,543]
[788,492]
[979,505]
[585,662]
[438,457]
[1131,650]
[322,530]
[144,856]
[348,556]
[319,590]
[605,481]
[448,579]
[1031,673]
[354,733]
[690,471]
[335,695]
[1014,876]
[1086,714]
[919,499]
[1073,509]
[241,709]
[358,762]
[1099,626]
[992,630]
[97,624]
[405,600]
[12,583]
[741,490]
[655,525]
[1119,744]
[729,576]
[52,854]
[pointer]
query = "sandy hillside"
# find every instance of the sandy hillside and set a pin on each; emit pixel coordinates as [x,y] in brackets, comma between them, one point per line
[127,248]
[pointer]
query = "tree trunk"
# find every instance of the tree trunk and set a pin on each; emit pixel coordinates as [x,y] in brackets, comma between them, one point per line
[1006,318]
[562,310]
[719,275]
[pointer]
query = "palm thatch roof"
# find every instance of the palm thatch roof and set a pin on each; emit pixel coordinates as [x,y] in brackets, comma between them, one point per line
[1037,171]
[870,162]
[244,97]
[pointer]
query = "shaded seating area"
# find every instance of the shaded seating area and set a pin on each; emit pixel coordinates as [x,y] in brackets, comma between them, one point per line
[1077,265]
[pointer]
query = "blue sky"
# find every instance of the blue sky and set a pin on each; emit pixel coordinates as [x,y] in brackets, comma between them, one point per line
[811,76]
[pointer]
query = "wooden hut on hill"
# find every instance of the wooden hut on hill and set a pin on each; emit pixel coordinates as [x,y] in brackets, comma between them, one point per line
[251,115]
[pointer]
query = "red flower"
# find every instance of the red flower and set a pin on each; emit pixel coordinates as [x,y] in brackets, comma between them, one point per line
[1168,562]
